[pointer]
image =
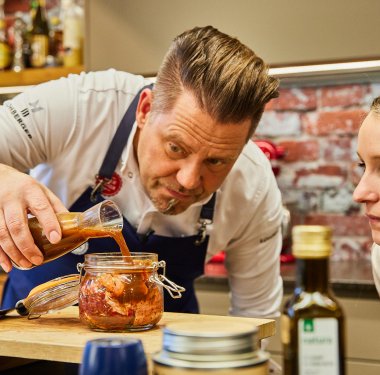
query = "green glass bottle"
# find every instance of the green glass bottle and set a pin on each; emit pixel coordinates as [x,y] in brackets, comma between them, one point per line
[313,323]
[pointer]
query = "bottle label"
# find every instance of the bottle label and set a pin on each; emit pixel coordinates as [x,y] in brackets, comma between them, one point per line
[72,42]
[318,342]
[285,329]
[39,45]
[72,36]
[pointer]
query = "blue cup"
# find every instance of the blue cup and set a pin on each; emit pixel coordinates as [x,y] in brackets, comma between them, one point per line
[114,356]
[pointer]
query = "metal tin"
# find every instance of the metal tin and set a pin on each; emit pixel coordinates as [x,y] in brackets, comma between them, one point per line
[202,347]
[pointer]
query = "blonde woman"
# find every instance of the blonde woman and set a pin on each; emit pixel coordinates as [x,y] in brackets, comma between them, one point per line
[368,189]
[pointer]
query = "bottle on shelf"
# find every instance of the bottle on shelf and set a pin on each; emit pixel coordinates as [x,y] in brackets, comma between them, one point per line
[55,42]
[33,10]
[39,36]
[312,322]
[73,33]
[19,27]
[5,49]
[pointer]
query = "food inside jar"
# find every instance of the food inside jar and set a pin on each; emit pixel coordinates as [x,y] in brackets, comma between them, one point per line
[120,301]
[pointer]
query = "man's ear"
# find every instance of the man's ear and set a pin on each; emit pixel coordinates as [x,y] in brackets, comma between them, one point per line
[143,107]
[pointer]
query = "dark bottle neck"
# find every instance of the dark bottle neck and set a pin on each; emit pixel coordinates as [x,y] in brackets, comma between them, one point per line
[313,274]
[40,24]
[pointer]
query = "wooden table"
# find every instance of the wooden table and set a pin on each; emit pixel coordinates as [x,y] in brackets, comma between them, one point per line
[61,337]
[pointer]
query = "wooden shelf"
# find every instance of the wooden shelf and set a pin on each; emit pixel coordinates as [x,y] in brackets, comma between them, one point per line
[35,76]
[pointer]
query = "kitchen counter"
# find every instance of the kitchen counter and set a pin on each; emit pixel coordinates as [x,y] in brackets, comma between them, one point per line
[60,336]
[351,279]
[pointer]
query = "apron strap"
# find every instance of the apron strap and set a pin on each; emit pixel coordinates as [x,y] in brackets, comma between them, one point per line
[207,211]
[205,218]
[116,147]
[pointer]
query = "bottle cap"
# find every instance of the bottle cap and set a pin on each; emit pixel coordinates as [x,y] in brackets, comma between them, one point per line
[114,356]
[311,241]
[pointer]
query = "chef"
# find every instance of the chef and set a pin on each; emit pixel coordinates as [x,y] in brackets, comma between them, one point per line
[176,157]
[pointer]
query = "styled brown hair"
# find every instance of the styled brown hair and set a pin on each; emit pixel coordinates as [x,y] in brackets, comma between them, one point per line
[227,78]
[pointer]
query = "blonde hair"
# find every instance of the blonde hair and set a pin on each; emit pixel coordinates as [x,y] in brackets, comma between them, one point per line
[230,82]
[375,106]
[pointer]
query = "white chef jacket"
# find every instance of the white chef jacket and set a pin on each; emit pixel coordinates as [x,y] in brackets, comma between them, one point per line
[61,130]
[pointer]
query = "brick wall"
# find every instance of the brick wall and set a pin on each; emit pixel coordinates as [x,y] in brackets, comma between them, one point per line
[318,127]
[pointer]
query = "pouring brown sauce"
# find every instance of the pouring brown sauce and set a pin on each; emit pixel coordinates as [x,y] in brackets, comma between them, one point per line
[72,237]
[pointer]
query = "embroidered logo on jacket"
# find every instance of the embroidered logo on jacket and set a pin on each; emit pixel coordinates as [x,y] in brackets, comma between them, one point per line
[18,118]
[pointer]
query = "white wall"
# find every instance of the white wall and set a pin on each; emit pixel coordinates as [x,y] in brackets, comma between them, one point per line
[134,34]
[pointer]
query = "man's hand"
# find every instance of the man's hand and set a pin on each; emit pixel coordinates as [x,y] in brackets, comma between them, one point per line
[20,195]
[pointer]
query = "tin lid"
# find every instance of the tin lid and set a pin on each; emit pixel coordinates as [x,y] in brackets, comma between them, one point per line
[51,296]
[311,241]
[208,344]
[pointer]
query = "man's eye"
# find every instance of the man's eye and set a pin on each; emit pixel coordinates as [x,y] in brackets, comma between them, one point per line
[174,148]
[174,151]
[215,162]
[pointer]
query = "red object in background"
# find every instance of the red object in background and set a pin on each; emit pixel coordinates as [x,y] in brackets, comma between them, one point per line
[273,153]
[271,150]
[287,258]
[218,258]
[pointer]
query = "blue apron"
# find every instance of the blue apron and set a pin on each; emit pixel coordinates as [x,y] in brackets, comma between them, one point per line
[184,256]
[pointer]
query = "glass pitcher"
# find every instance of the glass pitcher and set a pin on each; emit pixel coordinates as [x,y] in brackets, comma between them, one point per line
[101,220]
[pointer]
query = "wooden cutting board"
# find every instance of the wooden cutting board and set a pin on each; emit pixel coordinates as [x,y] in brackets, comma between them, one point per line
[60,336]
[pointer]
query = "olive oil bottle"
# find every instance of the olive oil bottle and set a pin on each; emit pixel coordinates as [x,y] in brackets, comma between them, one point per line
[312,323]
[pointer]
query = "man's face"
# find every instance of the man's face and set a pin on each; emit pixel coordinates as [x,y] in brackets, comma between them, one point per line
[184,155]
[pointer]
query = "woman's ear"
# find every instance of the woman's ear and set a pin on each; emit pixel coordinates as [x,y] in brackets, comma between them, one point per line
[143,107]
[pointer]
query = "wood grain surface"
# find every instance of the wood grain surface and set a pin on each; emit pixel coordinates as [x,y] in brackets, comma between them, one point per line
[60,336]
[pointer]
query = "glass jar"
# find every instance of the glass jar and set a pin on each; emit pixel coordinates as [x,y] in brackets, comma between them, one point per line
[123,293]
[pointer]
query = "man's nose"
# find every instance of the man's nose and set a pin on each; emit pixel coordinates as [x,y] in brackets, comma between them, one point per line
[190,175]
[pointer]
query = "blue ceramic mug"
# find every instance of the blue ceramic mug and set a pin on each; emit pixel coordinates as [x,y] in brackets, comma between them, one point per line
[114,356]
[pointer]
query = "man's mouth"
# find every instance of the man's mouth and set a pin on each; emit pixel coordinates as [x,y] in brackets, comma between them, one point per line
[178,195]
